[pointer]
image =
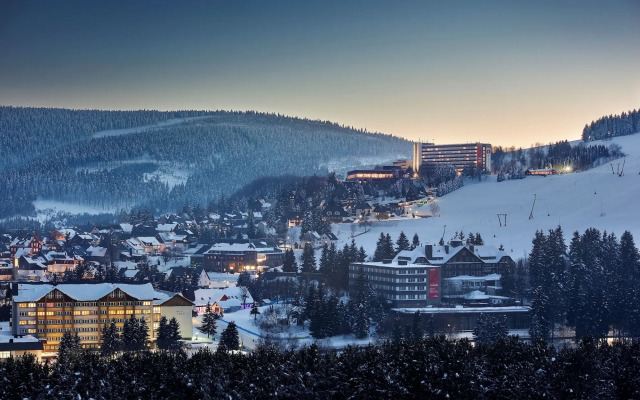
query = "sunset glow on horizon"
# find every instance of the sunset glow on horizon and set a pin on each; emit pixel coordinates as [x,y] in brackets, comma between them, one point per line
[501,72]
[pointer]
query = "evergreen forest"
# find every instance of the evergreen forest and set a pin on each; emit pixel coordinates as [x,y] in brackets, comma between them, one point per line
[66,155]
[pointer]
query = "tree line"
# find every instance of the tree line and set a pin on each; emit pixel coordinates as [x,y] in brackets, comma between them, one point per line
[626,123]
[593,286]
[431,368]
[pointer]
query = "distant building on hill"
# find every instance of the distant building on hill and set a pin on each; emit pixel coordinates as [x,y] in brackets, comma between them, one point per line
[459,155]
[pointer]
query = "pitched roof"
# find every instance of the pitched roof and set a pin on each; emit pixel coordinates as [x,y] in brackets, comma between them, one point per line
[84,292]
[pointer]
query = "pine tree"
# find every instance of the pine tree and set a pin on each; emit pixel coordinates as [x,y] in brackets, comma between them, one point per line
[630,272]
[417,327]
[490,328]
[308,259]
[162,334]
[537,260]
[130,334]
[362,255]
[415,243]
[479,240]
[174,337]
[69,347]
[402,243]
[290,264]
[209,324]
[110,339]
[360,301]
[254,310]
[389,251]
[325,268]
[142,334]
[379,253]
[471,239]
[230,338]
[541,324]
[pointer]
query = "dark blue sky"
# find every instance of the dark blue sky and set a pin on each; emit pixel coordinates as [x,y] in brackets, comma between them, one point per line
[498,71]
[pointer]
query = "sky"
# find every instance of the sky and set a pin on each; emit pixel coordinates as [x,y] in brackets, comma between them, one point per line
[503,72]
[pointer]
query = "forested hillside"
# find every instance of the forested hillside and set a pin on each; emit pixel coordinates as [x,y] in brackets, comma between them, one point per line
[54,154]
[626,123]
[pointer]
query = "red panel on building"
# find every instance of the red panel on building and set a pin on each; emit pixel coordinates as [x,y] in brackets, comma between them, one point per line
[434,283]
[479,156]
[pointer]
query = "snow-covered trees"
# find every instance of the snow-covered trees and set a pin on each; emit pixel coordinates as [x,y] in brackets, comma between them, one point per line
[135,334]
[230,338]
[289,264]
[384,248]
[427,368]
[110,339]
[490,328]
[97,170]
[626,123]
[168,335]
[209,325]
[402,243]
[308,261]
[69,347]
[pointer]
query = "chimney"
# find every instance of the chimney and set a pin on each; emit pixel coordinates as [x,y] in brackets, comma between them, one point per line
[471,248]
[428,251]
[446,248]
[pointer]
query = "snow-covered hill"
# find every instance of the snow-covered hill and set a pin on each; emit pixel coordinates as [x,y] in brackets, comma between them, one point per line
[594,198]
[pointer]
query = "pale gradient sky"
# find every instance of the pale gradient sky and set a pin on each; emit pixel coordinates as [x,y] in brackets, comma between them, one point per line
[504,72]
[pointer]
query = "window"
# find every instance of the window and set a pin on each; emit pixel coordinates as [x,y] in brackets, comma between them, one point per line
[5,354]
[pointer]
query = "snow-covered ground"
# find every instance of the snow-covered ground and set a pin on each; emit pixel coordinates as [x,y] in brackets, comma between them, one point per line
[49,209]
[250,333]
[594,198]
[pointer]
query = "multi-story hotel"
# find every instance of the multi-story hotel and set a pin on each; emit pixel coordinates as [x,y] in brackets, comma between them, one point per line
[432,274]
[458,155]
[47,311]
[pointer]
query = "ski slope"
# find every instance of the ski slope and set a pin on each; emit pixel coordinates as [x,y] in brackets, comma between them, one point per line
[594,198]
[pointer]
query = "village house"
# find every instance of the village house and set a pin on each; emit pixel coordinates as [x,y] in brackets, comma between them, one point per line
[242,255]
[30,246]
[224,300]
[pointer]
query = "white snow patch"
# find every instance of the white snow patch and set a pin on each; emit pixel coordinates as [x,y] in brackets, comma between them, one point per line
[47,209]
[126,131]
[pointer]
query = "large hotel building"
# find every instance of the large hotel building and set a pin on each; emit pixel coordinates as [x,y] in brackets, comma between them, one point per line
[458,155]
[47,311]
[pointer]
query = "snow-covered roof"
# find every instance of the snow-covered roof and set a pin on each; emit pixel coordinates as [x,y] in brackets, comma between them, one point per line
[221,277]
[204,296]
[127,228]
[490,277]
[166,227]
[409,255]
[96,251]
[84,292]
[125,264]
[7,337]
[22,252]
[130,273]
[170,237]
[231,247]
[148,240]
[489,254]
